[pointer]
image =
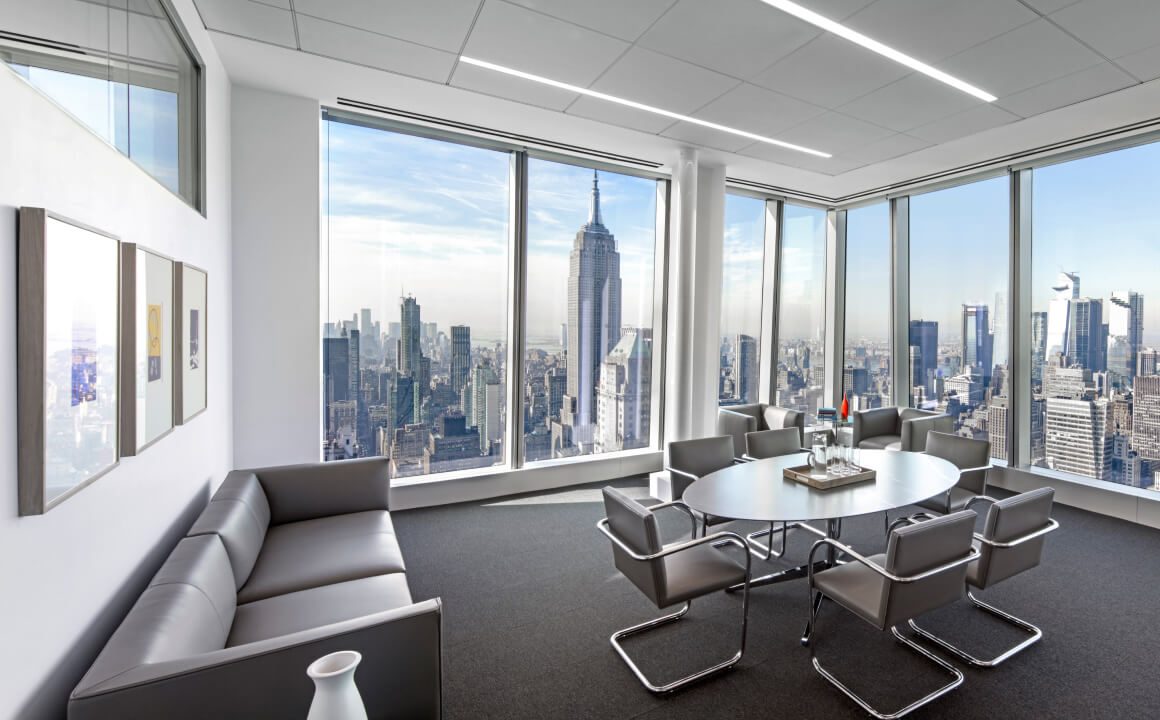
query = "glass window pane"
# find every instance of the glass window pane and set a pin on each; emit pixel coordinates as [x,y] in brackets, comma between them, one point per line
[959,240]
[801,322]
[741,276]
[415,349]
[1095,407]
[588,360]
[866,379]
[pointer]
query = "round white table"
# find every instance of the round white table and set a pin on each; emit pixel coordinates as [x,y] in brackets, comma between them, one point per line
[758,491]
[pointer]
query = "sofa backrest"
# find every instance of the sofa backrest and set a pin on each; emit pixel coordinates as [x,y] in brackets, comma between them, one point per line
[240,515]
[314,490]
[187,609]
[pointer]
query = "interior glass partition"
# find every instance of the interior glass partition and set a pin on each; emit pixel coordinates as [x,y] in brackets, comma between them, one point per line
[866,366]
[1095,406]
[801,321]
[741,287]
[958,338]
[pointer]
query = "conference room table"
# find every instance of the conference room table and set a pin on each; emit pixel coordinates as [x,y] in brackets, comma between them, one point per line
[758,491]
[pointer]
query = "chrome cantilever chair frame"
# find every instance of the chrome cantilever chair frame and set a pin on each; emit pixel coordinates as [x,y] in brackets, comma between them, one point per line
[718,538]
[694,478]
[815,606]
[927,516]
[1035,632]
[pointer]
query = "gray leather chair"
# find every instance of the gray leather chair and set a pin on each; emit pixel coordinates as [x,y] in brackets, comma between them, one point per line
[671,574]
[972,458]
[690,460]
[1011,543]
[924,568]
[737,420]
[895,428]
[772,443]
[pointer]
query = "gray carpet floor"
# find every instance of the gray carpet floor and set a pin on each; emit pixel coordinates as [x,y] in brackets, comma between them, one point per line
[531,596]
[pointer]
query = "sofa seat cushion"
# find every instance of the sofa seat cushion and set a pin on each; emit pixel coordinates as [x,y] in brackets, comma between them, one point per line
[306,609]
[881,442]
[311,553]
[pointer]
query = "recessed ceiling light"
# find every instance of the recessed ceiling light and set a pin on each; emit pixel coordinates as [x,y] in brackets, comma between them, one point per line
[884,50]
[639,106]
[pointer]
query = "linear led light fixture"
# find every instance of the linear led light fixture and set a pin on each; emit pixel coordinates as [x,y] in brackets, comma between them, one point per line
[873,45]
[639,106]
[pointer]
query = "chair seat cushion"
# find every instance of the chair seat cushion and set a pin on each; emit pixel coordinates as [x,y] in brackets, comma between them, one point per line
[305,609]
[881,442]
[310,553]
[698,571]
[959,500]
[856,588]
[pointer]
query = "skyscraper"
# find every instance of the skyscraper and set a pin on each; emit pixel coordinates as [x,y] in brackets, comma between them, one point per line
[1059,313]
[924,336]
[485,386]
[1125,334]
[411,331]
[1038,345]
[335,369]
[354,376]
[978,342]
[1148,362]
[997,427]
[1085,334]
[593,316]
[1146,417]
[624,399]
[1078,438]
[460,356]
[745,368]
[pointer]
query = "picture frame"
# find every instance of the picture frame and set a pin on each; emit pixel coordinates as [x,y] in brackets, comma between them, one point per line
[147,347]
[190,322]
[68,357]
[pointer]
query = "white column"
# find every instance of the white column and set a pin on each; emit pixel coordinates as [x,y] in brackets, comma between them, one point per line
[707,281]
[679,360]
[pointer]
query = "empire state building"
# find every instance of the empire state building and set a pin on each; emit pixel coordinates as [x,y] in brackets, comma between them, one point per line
[593,318]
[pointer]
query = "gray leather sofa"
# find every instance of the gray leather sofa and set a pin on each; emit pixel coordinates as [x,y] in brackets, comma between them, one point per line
[285,565]
[736,420]
[895,428]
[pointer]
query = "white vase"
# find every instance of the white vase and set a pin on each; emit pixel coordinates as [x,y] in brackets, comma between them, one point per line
[335,694]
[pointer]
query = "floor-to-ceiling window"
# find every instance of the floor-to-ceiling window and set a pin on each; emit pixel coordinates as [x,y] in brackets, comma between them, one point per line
[958,339]
[588,359]
[801,321]
[741,287]
[866,363]
[415,336]
[1095,405]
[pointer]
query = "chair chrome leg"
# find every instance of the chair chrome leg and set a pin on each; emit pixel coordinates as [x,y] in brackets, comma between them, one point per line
[765,552]
[1036,635]
[944,665]
[671,618]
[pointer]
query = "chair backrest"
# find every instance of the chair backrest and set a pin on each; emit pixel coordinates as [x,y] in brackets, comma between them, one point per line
[875,422]
[963,453]
[915,549]
[635,526]
[1007,521]
[771,443]
[777,418]
[699,458]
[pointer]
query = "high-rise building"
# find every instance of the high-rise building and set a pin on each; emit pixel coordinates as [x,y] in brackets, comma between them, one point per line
[624,399]
[335,369]
[1066,289]
[485,387]
[1146,417]
[924,366]
[460,356]
[978,341]
[555,386]
[402,401]
[855,381]
[1125,335]
[997,426]
[1085,334]
[1078,438]
[410,341]
[1148,362]
[745,368]
[1038,345]
[594,297]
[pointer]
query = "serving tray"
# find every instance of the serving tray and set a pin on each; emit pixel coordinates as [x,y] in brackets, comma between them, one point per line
[802,474]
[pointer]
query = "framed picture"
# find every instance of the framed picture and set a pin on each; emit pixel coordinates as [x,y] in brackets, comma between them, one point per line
[68,329]
[147,348]
[189,322]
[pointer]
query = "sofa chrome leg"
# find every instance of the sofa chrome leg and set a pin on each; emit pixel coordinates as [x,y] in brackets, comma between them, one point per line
[1036,635]
[942,664]
[665,620]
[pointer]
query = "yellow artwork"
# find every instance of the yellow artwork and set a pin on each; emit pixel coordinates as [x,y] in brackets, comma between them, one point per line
[154,322]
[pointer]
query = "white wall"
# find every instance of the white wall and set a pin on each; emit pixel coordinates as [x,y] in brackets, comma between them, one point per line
[69,576]
[277,346]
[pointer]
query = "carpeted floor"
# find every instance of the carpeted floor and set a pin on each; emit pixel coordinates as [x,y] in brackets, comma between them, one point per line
[530,597]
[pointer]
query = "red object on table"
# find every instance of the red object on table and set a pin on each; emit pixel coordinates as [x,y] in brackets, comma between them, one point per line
[845,406]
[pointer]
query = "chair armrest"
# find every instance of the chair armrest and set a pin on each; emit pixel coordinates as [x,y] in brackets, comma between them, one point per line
[736,425]
[979,499]
[400,674]
[974,479]
[687,479]
[724,536]
[678,505]
[1051,526]
[847,550]
[314,490]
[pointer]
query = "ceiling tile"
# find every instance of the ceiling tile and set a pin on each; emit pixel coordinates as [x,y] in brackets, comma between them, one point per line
[490,82]
[748,107]
[736,37]
[614,114]
[1049,6]
[1144,64]
[654,79]
[890,147]
[830,72]
[367,48]
[1077,87]
[792,158]
[931,30]
[625,20]
[1113,27]
[250,20]
[706,137]
[835,9]
[912,101]
[284,4]
[833,133]
[1025,57]
[439,24]
[526,40]
[975,120]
